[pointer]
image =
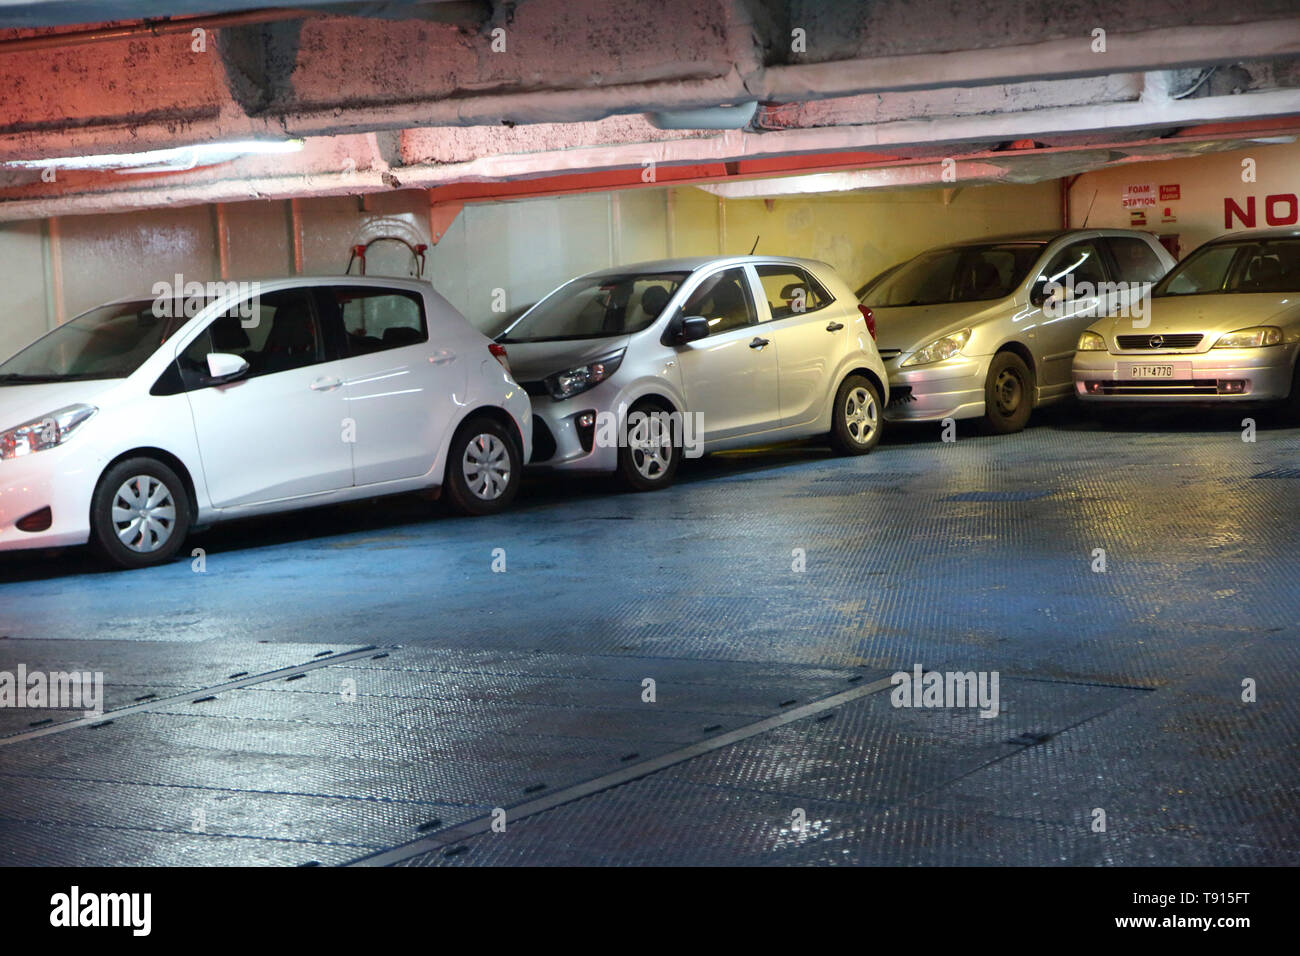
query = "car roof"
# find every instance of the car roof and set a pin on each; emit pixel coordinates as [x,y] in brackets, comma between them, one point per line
[1007,237]
[692,263]
[1249,234]
[1046,236]
[273,283]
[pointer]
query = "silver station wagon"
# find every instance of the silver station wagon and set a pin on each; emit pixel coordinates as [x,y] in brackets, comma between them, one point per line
[987,329]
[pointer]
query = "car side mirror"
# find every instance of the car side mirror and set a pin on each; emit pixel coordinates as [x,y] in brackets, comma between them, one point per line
[1039,297]
[694,328]
[1038,294]
[685,329]
[224,367]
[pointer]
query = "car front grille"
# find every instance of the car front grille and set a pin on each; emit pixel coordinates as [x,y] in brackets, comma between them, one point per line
[1174,340]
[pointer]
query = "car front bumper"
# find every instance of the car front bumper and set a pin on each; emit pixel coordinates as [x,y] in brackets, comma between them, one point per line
[53,479]
[564,432]
[953,388]
[1216,376]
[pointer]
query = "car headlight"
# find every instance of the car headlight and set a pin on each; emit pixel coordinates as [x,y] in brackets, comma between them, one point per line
[939,349]
[575,381]
[1091,342]
[45,432]
[1254,338]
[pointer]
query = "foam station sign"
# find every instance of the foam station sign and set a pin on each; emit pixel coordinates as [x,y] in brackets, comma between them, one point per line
[1140,196]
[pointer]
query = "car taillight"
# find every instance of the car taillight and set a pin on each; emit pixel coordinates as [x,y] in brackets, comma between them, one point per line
[871,319]
[499,353]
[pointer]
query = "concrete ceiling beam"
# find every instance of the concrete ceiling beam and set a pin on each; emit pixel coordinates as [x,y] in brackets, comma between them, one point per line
[561,63]
[1168,47]
[360,164]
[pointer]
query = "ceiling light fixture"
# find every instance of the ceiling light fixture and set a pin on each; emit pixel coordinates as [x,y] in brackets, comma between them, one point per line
[171,160]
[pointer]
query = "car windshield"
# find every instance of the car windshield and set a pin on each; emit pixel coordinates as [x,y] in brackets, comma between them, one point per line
[111,341]
[595,307]
[880,277]
[960,274]
[1259,265]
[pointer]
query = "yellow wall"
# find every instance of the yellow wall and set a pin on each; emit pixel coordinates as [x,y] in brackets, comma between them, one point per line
[495,254]
[863,233]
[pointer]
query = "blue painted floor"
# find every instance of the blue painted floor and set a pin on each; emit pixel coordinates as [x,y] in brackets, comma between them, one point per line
[1122,689]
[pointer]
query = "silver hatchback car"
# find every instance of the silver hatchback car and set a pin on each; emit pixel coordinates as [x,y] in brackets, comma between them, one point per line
[1223,329]
[988,328]
[634,367]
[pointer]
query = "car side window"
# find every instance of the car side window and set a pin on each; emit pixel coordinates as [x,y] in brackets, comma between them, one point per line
[193,362]
[724,300]
[1081,260]
[376,319]
[1271,267]
[275,332]
[1136,260]
[791,291]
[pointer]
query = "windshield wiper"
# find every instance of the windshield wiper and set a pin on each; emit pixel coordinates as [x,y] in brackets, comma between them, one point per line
[16,378]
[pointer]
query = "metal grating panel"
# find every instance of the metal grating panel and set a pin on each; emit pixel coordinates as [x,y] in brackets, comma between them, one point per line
[998,495]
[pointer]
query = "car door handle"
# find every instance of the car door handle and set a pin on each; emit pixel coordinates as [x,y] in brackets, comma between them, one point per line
[834,326]
[325,384]
[759,343]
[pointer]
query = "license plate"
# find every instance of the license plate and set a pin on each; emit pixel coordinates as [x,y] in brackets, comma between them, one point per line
[1152,371]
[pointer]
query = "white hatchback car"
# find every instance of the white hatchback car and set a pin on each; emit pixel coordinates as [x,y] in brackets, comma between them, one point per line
[741,350]
[131,425]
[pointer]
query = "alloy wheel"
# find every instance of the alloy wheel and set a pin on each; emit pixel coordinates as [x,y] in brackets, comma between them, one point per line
[651,447]
[861,416]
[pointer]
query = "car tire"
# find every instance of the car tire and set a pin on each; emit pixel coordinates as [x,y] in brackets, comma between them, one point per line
[484,467]
[643,463]
[140,514]
[1008,394]
[857,417]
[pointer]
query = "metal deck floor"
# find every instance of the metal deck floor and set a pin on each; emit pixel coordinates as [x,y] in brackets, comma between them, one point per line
[497,687]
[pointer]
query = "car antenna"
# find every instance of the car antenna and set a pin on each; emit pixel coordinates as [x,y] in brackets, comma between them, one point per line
[756,238]
[1089,212]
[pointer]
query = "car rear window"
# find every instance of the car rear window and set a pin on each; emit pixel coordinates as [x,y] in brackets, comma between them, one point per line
[790,290]
[378,319]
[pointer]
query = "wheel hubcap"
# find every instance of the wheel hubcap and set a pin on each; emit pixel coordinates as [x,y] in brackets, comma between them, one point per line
[144,514]
[486,467]
[651,447]
[1007,390]
[861,417]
